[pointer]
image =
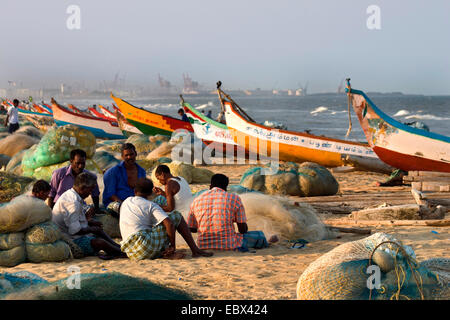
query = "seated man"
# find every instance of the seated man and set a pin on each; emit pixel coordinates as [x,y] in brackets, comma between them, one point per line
[121,179]
[177,191]
[62,179]
[213,215]
[148,232]
[41,190]
[69,214]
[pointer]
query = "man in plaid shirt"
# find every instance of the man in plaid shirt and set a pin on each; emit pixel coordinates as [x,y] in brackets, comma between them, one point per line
[148,232]
[213,214]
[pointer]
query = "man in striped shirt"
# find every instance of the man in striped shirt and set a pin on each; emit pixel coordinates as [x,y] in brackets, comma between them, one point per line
[212,215]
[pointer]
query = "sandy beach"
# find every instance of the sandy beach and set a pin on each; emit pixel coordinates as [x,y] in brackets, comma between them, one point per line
[270,273]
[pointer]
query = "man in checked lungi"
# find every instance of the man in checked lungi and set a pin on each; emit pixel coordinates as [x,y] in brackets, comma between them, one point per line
[148,232]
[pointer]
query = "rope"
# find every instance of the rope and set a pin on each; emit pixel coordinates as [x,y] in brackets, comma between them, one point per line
[400,284]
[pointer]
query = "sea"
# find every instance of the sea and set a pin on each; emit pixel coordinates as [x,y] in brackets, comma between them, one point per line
[320,114]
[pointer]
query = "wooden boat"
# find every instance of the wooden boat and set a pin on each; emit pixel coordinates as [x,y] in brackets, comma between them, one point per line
[126,128]
[150,123]
[106,112]
[295,146]
[42,121]
[101,128]
[97,114]
[397,144]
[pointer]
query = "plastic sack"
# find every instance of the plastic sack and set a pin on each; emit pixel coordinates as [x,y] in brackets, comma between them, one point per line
[13,257]
[11,240]
[51,252]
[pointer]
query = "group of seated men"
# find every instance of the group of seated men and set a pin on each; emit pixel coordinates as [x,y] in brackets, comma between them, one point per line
[147,227]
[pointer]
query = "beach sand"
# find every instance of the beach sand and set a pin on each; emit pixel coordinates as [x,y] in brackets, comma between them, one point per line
[270,273]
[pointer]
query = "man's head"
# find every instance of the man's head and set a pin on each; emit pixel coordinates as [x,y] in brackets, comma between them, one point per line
[41,189]
[163,174]
[143,188]
[84,184]
[16,102]
[77,161]
[129,154]
[180,111]
[220,181]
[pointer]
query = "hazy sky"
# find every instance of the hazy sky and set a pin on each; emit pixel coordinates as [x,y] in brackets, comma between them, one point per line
[244,43]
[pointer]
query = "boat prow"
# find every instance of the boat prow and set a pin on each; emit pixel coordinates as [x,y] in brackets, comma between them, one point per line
[397,144]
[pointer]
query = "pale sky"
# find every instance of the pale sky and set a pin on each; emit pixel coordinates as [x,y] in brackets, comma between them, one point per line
[243,43]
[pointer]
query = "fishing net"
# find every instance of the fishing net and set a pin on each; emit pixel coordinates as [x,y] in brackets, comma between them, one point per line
[76,251]
[105,160]
[11,240]
[106,286]
[30,131]
[12,185]
[163,150]
[15,143]
[50,252]
[342,273]
[110,224]
[307,180]
[15,163]
[46,172]
[10,282]
[146,144]
[43,233]
[13,257]
[274,215]
[148,165]
[23,212]
[56,145]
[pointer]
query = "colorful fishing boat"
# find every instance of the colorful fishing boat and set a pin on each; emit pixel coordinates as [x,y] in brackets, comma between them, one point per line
[126,128]
[150,123]
[106,112]
[397,144]
[295,146]
[42,121]
[100,115]
[101,128]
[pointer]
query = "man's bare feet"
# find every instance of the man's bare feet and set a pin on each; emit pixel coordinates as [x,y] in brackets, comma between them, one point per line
[201,253]
[177,255]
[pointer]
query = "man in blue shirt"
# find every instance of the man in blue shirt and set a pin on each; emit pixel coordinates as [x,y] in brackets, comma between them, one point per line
[183,115]
[121,179]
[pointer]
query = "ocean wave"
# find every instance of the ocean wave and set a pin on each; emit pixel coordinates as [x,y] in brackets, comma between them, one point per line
[206,105]
[401,113]
[319,109]
[426,117]
[159,106]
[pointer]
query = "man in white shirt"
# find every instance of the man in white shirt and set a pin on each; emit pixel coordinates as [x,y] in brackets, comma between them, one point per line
[148,232]
[69,214]
[12,117]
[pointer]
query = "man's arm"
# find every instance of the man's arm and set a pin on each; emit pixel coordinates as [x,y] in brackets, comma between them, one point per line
[53,189]
[170,229]
[239,216]
[242,227]
[171,190]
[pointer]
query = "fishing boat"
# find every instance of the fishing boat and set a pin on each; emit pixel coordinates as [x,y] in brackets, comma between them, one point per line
[397,144]
[150,123]
[106,112]
[42,121]
[97,114]
[126,128]
[101,128]
[295,146]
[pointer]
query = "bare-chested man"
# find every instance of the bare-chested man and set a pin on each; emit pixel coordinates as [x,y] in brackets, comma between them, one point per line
[121,179]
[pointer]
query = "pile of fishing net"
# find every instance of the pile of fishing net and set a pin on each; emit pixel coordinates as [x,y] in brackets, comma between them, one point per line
[148,165]
[277,216]
[27,233]
[14,143]
[306,180]
[56,145]
[343,274]
[190,173]
[91,286]
[12,185]
[46,172]
[146,144]
[30,131]
[15,163]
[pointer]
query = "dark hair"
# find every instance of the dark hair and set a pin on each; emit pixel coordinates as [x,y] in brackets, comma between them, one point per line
[85,180]
[180,110]
[15,101]
[144,186]
[75,152]
[162,168]
[41,186]
[219,180]
[128,146]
